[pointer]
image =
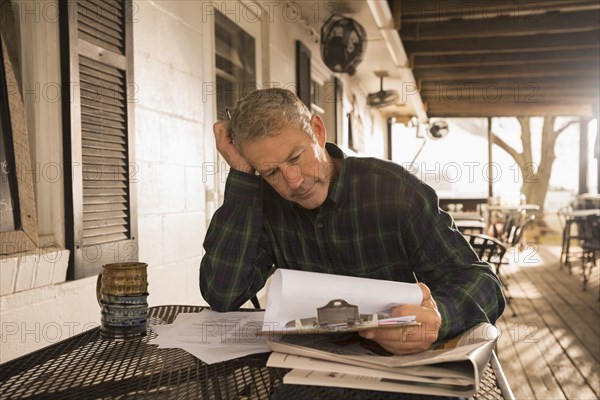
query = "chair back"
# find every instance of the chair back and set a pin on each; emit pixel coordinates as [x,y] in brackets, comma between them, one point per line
[589,228]
[487,248]
[516,233]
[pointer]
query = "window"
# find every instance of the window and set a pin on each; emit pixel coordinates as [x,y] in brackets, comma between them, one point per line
[303,75]
[18,218]
[100,199]
[235,61]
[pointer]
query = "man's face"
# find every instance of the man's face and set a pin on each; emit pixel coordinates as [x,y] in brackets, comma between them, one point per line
[294,164]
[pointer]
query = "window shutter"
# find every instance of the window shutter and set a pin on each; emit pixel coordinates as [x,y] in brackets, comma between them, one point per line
[97,60]
[303,78]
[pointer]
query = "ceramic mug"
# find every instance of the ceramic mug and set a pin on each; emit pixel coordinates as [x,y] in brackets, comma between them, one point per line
[122,279]
[121,291]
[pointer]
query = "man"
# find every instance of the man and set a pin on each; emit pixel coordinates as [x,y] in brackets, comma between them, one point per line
[293,201]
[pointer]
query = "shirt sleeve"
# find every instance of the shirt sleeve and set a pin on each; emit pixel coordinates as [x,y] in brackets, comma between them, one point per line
[237,261]
[465,289]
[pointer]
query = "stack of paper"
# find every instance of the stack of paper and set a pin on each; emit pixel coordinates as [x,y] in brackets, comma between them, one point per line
[452,369]
[213,337]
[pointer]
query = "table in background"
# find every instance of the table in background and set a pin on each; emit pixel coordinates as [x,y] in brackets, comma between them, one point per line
[87,366]
[578,218]
[469,222]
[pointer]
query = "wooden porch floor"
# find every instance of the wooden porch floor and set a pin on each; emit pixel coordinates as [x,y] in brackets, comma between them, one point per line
[549,346]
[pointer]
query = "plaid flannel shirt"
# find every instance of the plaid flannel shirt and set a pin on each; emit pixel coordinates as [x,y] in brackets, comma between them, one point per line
[378,221]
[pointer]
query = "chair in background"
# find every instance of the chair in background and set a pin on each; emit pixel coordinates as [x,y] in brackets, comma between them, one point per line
[590,243]
[567,222]
[517,226]
[491,250]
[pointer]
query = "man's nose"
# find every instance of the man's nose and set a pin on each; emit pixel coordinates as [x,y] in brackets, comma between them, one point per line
[293,176]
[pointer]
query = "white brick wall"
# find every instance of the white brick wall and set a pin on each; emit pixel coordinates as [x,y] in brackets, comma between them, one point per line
[168,71]
[35,269]
[174,146]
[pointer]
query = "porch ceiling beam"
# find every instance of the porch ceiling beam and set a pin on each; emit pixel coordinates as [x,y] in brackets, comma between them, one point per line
[446,109]
[441,10]
[537,57]
[486,45]
[559,69]
[505,26]
[503,98]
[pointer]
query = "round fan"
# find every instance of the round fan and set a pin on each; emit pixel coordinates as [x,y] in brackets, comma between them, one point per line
[343,43]
[438,129]
[383,97]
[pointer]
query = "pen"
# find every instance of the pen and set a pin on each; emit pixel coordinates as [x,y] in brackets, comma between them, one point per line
[228,114]
[415,275]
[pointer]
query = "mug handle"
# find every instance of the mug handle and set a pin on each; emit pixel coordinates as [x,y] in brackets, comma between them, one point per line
[98,287]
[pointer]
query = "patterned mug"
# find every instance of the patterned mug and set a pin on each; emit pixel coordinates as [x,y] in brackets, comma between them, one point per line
[122,291]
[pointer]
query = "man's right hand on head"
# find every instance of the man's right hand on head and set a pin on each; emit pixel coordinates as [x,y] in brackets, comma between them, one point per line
[227,149]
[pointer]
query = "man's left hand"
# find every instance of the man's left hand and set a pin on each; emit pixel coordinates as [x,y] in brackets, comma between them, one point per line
[410,339]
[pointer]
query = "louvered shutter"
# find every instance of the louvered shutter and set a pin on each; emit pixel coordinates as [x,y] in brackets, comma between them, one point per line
[99,133]
[303,78]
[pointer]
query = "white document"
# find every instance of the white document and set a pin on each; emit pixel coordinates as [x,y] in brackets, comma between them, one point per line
[297,294]
[212,336]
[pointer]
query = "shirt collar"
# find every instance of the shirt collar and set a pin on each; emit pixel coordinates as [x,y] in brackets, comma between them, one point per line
[336,188]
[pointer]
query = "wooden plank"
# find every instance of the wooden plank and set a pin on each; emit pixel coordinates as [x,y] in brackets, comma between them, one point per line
[512,364]
[569,286]
[441,10]
[449,109]
[573,377]
[538,57]
[515,71]
[525,331]
[475,45]
[504,26]
[568,360]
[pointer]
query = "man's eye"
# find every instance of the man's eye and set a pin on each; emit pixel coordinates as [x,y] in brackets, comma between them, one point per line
[295,159]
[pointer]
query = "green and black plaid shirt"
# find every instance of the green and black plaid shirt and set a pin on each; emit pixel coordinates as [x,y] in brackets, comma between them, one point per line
[378,221]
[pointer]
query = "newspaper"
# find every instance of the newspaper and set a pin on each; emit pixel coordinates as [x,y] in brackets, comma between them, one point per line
[453,368]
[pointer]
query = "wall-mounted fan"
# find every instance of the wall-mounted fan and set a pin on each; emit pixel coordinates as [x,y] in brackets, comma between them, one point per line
[438,129]
[343,43]
[382,98]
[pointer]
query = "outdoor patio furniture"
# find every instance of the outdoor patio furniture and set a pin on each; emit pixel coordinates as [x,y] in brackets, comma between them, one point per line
[491,250]
[587,227]
[87,366]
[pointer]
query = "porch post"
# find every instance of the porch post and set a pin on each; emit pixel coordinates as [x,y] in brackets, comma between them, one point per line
[583,155]
[490,172]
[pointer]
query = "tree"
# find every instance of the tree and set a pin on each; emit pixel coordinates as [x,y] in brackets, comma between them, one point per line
[536,178]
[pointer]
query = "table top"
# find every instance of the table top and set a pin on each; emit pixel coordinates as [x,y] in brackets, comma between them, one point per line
[87,366]
[583,213]
[521,207]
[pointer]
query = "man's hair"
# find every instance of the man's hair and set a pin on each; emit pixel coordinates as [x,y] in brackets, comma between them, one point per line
[266,112]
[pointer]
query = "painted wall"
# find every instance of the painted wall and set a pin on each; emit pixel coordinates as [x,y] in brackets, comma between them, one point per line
[174,148]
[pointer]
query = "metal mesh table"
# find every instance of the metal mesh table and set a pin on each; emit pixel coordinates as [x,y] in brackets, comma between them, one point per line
[86,366]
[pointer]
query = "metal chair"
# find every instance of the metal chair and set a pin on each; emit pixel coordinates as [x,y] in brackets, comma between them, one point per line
[590,243]
[515,233]
[567,223]
[488,249]
[491,250]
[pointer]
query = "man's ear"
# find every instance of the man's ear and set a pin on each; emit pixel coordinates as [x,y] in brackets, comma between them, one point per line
[318,128]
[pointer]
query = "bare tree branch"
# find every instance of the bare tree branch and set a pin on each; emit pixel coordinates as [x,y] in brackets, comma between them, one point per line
[518,157]
[565,126]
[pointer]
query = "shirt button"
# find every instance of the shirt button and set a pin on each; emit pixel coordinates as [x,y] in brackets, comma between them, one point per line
[319,225]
